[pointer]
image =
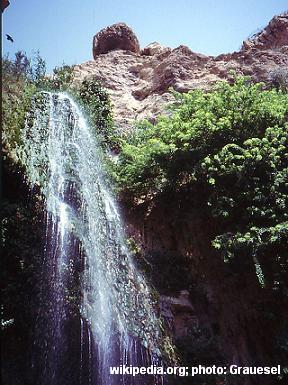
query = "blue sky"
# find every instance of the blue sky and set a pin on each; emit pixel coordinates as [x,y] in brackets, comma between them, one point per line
[62,30]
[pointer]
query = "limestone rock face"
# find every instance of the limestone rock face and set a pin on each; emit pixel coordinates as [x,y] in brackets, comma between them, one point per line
[115,37]
[139,81]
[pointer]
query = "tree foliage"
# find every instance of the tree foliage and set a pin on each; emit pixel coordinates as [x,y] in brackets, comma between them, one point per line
[96,103]
[22,78]
[17,91]
[228,147]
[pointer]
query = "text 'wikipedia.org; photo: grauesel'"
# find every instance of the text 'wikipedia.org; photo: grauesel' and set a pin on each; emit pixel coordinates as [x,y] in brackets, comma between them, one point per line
[185,371]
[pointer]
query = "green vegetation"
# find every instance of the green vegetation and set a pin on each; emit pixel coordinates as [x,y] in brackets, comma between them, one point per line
[17,91]
[96,104]
[61,79]
[229,149]
[23,78]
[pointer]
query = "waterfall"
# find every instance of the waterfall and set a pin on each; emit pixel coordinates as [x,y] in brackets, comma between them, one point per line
[87,264]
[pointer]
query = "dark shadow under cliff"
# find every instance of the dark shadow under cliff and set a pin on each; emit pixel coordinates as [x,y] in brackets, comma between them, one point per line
[234,320]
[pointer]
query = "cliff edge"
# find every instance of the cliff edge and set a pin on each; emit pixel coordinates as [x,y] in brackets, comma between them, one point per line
[138,81]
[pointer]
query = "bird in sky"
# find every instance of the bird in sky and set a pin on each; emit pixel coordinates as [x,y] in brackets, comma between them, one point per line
[9,38]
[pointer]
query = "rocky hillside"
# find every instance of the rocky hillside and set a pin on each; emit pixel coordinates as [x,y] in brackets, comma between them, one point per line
[138,80]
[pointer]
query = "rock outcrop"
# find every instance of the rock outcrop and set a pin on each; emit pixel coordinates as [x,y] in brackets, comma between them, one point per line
[217,306]
[139,81]
[178,314]
[117,36]
[275,35]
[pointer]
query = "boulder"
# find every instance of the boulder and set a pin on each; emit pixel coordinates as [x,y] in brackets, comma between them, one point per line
[115,37]
[154,49]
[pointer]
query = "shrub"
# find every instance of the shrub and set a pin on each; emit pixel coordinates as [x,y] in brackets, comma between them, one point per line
[60,80]
[17,92]
[228,148]
[22,79]
[96,103]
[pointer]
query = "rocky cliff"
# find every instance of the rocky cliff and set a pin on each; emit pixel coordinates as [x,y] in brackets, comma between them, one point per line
[215,313]
[138,81]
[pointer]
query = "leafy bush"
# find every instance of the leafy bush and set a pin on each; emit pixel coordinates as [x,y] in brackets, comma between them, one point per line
[17,92]
[96,103]
[60,80]
[250,190]
[22,78]
[229,148]
[171,153]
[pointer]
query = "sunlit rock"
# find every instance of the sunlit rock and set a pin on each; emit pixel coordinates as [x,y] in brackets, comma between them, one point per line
[115,37]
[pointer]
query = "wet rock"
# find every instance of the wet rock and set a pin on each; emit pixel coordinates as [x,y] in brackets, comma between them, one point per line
[178,313]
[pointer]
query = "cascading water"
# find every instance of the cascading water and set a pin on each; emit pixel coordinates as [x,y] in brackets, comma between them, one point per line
[117,321]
